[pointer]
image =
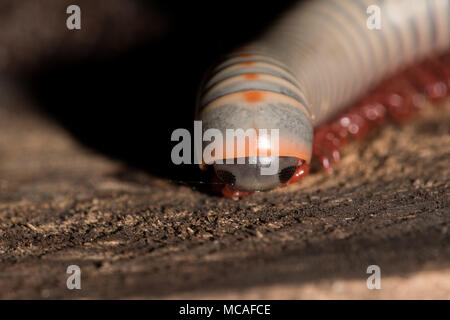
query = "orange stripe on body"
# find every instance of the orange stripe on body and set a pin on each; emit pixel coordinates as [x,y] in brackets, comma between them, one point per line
[251,76]
[286,148]
[254,96]
[239,98]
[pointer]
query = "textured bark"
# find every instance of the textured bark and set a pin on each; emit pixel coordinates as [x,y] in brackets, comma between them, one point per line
[135,235]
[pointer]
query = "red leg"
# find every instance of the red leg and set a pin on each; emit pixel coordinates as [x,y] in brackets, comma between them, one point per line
[300,173]
[397,99]
[229,192]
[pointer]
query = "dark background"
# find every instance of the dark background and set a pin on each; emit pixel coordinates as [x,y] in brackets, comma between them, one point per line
[128,105]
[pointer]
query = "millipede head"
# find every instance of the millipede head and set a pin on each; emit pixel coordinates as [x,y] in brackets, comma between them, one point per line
[254,105]
[247,174]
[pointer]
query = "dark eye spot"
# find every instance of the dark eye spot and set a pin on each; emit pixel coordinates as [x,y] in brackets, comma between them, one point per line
[286,174]
[226,176]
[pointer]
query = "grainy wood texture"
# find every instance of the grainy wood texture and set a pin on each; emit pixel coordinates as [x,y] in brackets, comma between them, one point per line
[134,235]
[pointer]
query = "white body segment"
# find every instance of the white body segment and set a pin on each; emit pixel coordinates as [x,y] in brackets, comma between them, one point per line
[335,57]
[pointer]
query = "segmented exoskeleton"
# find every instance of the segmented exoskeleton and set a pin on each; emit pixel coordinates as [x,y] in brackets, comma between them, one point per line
[316,60]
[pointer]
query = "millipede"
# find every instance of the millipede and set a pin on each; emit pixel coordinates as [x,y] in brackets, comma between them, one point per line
[322,77]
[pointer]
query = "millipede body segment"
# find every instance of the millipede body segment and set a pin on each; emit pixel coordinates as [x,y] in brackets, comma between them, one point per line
[310,66]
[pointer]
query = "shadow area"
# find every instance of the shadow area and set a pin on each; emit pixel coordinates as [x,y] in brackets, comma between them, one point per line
[127,106]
